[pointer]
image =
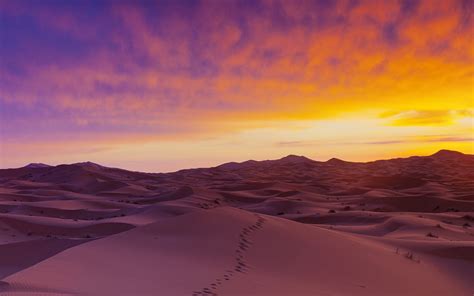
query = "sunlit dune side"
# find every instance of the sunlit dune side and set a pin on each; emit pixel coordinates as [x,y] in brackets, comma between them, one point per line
[292,226]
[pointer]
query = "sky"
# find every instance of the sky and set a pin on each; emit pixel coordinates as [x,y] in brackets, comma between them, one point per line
[159,86]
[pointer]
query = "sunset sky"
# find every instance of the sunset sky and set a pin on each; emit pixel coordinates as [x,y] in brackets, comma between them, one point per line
[164,85]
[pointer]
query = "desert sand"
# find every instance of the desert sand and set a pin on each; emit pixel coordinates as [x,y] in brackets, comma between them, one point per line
[292,226]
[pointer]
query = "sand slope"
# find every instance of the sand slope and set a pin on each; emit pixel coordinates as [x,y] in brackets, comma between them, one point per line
[233,252]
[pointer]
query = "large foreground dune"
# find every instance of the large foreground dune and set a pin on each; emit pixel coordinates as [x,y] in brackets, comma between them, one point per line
[291,226]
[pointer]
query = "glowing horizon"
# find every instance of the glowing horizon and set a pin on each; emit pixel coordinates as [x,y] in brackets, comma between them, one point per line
[166,85]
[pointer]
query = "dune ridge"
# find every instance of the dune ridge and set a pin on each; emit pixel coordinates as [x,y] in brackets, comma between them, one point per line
[292,226]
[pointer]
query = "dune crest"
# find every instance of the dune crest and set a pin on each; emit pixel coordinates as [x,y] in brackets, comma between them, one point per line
[291,226]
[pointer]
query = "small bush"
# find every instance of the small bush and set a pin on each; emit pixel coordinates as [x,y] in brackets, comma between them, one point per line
[410,256]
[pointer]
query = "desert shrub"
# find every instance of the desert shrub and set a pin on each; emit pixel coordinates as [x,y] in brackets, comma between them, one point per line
[410,256]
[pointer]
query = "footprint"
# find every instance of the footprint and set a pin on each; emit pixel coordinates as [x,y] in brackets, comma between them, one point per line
[240,266]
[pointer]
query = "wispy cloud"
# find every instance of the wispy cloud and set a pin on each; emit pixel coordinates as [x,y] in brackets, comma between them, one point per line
[294,143]
[159,69]
[425,117]
[106,61]
[401,140]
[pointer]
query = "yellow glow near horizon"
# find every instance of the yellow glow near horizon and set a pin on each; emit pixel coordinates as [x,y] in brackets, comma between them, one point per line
[354,139]
[221,81]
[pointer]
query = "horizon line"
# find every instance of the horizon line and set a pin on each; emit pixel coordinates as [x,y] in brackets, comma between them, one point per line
[238,162]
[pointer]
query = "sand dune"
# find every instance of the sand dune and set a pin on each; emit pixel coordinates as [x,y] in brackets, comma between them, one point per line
[291,226]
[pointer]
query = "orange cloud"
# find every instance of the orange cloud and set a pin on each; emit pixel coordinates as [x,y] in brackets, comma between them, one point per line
[426,117]
[219,66]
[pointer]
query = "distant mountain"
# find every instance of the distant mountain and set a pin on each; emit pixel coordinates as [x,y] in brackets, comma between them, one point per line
[37,165]
[237,165]
[294,159]
[287,160]
[89,164]
[448,154]
[336,161]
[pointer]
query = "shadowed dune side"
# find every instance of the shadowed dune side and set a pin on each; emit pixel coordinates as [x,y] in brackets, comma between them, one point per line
[48,227]
[18,256]
[393,182]
[182,192]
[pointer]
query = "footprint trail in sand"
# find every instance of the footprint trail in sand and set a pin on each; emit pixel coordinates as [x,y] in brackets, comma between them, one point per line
[240,265]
